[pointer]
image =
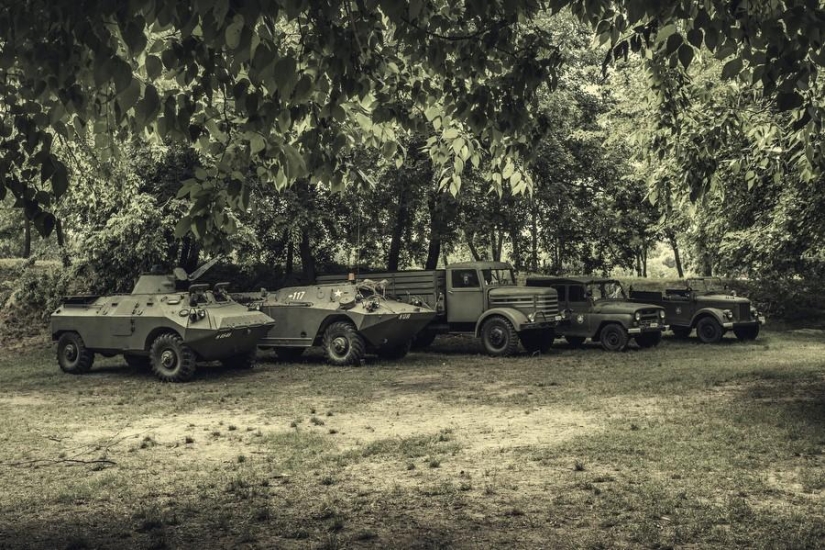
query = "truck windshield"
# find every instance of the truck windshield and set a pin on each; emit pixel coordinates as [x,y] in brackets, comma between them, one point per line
[498,276]
[608,290]
[708,285]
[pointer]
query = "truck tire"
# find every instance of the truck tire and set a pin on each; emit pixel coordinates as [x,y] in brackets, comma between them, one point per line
[423,339]
[537,341]
[242,361]
[649,340]
[746,334]
[139,362]
[575,341]
[72,354]
[343,345]
[172,360]
[288,353]
[613,337]
[681,332]
[709,330]
[394,352]
[499,337]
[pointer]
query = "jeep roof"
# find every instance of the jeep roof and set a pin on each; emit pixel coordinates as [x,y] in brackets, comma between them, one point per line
[582,280]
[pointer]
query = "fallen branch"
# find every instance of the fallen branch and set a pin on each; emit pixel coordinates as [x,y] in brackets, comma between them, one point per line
[61,460]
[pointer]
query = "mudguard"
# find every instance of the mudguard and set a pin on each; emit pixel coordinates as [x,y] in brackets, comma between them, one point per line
[516,317]
[713,312]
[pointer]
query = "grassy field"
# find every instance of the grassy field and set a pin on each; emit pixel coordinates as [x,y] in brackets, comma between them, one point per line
[681,446]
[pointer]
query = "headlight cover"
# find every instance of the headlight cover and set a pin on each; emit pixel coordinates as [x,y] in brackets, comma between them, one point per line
[638,316]
[661,314]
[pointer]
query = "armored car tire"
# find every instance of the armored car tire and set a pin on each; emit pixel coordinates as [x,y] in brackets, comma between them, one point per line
[72,354]
[499,337]
[242,361]
[172,360]
[137,361]
[343,345]
[575,341]
[649,340]
[681,332]
[288,353]
[394,352]
[746,334]
[613,337]
[537,340]
[709,330]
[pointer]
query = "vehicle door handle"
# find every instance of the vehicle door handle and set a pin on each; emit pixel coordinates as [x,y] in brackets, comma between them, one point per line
[449,292]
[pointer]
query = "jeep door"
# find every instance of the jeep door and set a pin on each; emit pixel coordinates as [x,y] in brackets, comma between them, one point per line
[578,302]
[465,297]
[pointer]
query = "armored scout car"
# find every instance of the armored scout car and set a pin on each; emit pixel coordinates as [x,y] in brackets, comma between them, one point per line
[479,298]
[347,320]
[165,322]
[708,306]
[600,310]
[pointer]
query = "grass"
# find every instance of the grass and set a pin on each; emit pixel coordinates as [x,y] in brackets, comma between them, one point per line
[682,445]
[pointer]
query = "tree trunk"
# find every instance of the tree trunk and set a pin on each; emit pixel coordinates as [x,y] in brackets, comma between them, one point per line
[290,259]
[515,240]
[435,206]
[498,246]
[307,259]
[534,240]
[27,236]
[470,235]
[400,225]
[644,261]
[677,257]
[61,243]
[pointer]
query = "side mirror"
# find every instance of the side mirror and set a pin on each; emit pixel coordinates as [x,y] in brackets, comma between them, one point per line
[180,274]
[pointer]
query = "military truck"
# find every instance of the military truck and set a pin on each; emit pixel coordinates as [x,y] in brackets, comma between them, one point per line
[600,310]
[347,320]
[479,298]
[708,306]
[166,322]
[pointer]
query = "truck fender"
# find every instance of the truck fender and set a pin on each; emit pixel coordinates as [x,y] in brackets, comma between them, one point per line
[708,311]
[513,315]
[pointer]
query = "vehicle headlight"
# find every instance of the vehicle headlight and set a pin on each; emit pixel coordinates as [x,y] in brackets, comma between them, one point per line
[661,313]
[532,317]
[754,312]
[728,313]
[638,316]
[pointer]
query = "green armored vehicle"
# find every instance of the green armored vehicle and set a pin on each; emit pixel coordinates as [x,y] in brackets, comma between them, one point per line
[708,306]
[478,298]
[165,322]
[347,320]
[600,310]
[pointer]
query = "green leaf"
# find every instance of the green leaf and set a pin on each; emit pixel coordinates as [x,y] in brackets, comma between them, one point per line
[450,133]
[509,168]
[694,36]
[101,69]
[284,74]
[732,69]
[257,143]
[60,179]
[122,74]
[685,55]
[154,67]
[233,33]
[182,227]
[415,8]
[674,41]
[786,101]
[130,96]
[147,108]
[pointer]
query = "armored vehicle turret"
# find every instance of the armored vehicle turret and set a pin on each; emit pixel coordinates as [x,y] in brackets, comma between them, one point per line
[167,322]
[347,320]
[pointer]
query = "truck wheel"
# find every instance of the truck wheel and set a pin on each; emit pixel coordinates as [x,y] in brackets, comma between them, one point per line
[288,353]
[613,337]
[242,361]
[139,362]
[575,341]
[709,330]
[394,352]
[499,337]
[746,334]
[681,332]
[537,340]
[72,354]
[649,340]
[343,344]
[172,360]
[423,339]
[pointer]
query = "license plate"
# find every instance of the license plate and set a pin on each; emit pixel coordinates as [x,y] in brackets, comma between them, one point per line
[654,325]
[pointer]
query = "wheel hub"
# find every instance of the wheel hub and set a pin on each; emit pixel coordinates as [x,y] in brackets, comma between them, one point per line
[168,359]
[340,344]
[70,353]
[497,336]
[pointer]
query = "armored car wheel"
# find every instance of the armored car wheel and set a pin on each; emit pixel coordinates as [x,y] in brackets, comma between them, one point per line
[343,345]
[394,352]
[72,354]
[537,340]
[172,360]
[575,341]
[288,354]
[747,334]
[649,340]
[499,337]
[709,330]
[613,337]
[681,332]
[242,361]
[137,361]
[423,339]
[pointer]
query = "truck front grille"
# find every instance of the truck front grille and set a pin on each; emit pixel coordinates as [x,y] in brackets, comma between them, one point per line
[548,305]
[744,312]
[649,316]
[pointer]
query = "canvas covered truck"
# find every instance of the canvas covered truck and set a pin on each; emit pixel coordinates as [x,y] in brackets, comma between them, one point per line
[347,321]
[600,310]
[705,304]
[478,298]
[165,322]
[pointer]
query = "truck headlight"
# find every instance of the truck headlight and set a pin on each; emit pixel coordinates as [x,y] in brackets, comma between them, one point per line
[532,317]
[662,314]
[728,314]
[754,312]
[638,316]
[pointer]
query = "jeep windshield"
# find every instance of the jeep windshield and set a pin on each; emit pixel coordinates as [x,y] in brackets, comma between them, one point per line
[607,290]
[712,285]
[498,276]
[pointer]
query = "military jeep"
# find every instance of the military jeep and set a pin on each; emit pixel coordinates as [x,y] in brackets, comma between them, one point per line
[599,310]
[708,306]
[166,322]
